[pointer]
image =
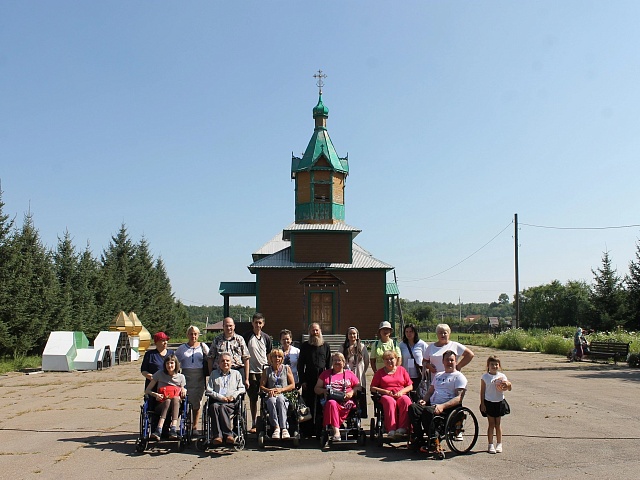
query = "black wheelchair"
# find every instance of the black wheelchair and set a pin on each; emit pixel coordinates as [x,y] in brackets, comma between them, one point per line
[351,430]
[376,429]
[149,420]
[239,418]
[458,429]
[264,429]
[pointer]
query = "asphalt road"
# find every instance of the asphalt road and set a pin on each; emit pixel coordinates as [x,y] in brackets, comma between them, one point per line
[568,420]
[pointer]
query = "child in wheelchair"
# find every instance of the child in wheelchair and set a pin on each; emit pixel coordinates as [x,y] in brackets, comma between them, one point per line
[168,394]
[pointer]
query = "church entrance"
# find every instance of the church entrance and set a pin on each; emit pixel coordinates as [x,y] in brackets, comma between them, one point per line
[322,310]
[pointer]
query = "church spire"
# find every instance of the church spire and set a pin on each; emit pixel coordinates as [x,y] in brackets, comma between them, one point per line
[320,174]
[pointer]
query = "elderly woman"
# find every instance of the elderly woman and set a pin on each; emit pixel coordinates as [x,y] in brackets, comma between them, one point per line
[224,387]
[337,382]
[413,351]
[436,350]
[276,380]
[154,359]
[357,356]
[192,357]
[393,383]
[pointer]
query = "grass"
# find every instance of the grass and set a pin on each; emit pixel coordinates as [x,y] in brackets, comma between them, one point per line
[556,341]
[10,364]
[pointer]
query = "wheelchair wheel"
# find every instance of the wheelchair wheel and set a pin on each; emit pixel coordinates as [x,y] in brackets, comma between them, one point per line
[141,445]
[362,438]
[324,439]
[261,439]
[296,440]
[461,430]
[201,445]
[372,430]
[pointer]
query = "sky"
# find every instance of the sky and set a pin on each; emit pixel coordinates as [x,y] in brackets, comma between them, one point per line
[178,120]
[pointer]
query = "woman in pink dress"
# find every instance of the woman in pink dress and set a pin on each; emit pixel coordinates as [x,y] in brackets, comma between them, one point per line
[393,384]
[337,382]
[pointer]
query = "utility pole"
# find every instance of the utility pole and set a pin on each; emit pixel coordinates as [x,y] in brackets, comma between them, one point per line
[517,298]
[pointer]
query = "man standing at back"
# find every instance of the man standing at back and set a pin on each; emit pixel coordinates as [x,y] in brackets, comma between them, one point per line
[315,357]
[230,342]
[259,345]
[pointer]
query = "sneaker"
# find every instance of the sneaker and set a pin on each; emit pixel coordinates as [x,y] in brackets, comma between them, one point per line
[499,448]
[173,432]
[401,431]
[156,434]
[458,438]
[276,434]
[391,433]
[491,448]
[217,441]
[230,440]
[336,438]
[285,433]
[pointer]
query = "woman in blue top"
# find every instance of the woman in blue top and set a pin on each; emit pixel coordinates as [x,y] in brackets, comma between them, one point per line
[154,359]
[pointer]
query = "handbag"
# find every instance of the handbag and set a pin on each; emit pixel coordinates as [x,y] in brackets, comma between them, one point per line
[337,395]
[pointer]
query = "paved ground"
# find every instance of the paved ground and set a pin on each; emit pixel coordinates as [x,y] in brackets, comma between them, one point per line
[569,420]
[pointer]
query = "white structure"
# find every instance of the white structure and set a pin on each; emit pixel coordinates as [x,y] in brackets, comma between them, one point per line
[61,350]
[88,358]
[108,338]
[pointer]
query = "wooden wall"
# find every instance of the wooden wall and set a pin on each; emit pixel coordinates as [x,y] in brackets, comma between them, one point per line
[322,247]
[280,298]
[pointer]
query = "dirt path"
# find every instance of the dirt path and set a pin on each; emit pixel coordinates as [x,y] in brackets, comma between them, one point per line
[568,420]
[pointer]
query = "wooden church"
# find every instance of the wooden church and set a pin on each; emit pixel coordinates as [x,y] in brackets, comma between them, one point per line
[313,270]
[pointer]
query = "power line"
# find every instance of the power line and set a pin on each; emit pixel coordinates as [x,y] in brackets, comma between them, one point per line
[580,228]
[461,261]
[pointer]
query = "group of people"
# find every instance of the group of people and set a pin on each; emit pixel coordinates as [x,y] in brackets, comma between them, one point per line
[237,364]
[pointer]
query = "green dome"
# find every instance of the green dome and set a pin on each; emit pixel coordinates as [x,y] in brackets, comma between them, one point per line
[320,109]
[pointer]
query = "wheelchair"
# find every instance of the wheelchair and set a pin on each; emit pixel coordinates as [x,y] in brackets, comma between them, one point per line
[239,419]
[264,429]
[149,420]
[458,429]
[376,429]
[351,430]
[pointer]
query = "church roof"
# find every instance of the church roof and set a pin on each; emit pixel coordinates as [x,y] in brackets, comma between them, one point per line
[281,240]
[362,259]
[319,146]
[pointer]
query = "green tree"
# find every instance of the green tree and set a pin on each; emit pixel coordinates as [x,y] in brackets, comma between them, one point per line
[86,317]
[32,292]
[114,289]
[607,295]
[6,274]
[503,299]
[65,261]
[632,281]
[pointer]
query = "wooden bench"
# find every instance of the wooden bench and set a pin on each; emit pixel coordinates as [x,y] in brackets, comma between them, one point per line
[615,350]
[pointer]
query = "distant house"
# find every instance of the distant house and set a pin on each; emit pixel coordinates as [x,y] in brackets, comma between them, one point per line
[494,322]
[472,318]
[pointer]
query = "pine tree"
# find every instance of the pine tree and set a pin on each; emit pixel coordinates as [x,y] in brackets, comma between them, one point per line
[632,281]
[65,261]
[114,289]
[6,262]
[607,295]
[32,292]
[85,293]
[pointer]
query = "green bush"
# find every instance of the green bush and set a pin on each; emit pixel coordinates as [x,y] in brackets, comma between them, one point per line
[556,344]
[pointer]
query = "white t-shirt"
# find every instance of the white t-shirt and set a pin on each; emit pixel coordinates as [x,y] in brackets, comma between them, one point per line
[445,385]
[192,357]
[434,353]
[411,364]
[294,354]
[491,393]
